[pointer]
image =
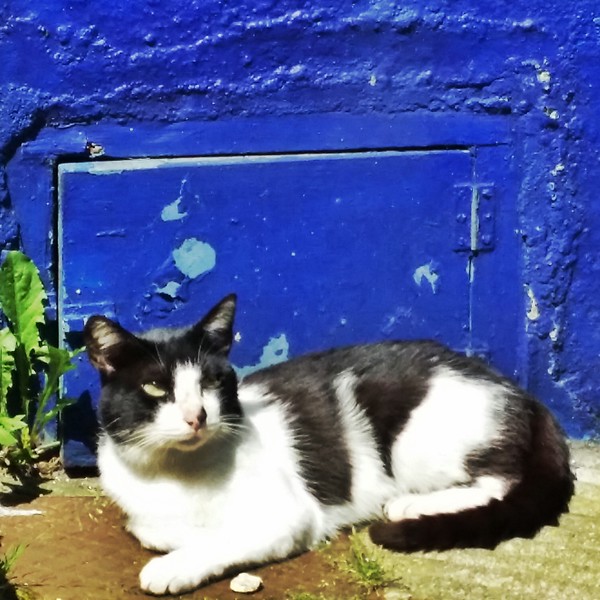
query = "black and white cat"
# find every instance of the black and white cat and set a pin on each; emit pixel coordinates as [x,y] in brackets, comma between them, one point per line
[436,447]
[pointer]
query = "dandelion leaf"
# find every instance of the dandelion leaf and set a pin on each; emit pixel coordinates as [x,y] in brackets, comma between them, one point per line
[22,297]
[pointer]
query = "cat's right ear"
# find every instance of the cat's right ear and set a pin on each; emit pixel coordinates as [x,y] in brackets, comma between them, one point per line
[107,343]
[215,330]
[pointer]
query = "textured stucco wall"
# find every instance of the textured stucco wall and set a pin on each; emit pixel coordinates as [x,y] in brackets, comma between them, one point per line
[536,62]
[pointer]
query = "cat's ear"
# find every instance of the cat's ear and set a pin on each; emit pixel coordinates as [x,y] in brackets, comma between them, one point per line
[108,345]
[216,328]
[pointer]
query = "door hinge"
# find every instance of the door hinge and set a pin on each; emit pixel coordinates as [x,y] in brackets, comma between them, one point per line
[475,218]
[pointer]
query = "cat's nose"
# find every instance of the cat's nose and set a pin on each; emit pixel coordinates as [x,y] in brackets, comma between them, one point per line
[198,421]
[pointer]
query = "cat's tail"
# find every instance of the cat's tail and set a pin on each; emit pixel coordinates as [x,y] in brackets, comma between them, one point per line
[538,499]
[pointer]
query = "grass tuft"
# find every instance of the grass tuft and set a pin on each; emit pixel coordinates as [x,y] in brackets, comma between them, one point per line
[7,562]
[363,564]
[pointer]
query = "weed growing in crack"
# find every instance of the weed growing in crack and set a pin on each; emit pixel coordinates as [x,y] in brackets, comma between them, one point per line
[364,566]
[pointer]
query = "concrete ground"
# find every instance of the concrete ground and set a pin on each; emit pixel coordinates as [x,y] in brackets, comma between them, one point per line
[77,550]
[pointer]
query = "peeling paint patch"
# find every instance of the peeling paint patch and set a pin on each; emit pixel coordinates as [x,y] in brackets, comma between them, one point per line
[275,351]
[171,289]
[194,258]
[427,272]
[171,211]
[533,313]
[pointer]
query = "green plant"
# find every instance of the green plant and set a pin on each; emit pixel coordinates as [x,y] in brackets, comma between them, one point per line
[30,367]
[364,566]
[7,561]
[9,558]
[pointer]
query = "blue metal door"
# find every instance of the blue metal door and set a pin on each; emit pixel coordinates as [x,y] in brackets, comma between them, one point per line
[322,250]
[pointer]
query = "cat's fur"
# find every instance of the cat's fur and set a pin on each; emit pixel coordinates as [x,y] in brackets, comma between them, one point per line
[437,448]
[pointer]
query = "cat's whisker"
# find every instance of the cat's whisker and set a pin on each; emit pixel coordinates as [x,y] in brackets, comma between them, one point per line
[114,421]
[159,357]
[234,428]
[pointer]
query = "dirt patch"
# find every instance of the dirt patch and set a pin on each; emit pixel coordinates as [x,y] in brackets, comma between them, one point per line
[78,550]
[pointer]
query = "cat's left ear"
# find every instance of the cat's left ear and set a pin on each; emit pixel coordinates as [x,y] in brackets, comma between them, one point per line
[108,345]
[216,328]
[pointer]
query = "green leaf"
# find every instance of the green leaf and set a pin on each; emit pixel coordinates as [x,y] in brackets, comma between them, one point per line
[7,439]
[13,423]
[8,560]
[26,359]
[53,412]
[22,298]
[57,362]
[8,425]
[8,344]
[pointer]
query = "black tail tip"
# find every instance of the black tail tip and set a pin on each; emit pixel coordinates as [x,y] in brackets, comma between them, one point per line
[427,533]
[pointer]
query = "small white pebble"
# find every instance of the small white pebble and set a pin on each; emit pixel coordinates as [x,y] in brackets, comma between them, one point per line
[244,583]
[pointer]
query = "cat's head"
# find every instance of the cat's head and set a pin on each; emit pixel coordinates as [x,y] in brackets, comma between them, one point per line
[167,388]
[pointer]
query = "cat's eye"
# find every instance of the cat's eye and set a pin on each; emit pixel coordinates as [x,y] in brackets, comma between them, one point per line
[154,390]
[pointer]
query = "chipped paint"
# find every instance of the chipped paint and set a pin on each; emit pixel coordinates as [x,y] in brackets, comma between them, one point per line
[171,211]
[111,233]
[427,272]
[194,258]
[170,289]
[544,77]
[75,72]
[274,352]
[533,312]
[95,150]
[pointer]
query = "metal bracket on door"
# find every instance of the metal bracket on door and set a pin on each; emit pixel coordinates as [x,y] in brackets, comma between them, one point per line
[475,218]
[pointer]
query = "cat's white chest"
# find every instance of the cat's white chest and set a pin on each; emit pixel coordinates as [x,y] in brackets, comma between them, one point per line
[252,489]
[162,510]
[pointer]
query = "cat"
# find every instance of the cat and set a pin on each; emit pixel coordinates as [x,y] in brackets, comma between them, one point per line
[434,447]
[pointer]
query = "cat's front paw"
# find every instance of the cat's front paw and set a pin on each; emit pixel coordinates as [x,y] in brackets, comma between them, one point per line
[168,574]
[403,507]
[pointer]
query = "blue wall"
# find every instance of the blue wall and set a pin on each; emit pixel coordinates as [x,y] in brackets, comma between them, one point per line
[534,63]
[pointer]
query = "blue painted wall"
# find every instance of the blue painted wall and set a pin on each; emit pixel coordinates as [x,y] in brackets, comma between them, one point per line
[533,64]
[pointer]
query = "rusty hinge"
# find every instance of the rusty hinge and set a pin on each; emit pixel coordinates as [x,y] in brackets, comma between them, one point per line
[475,218]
